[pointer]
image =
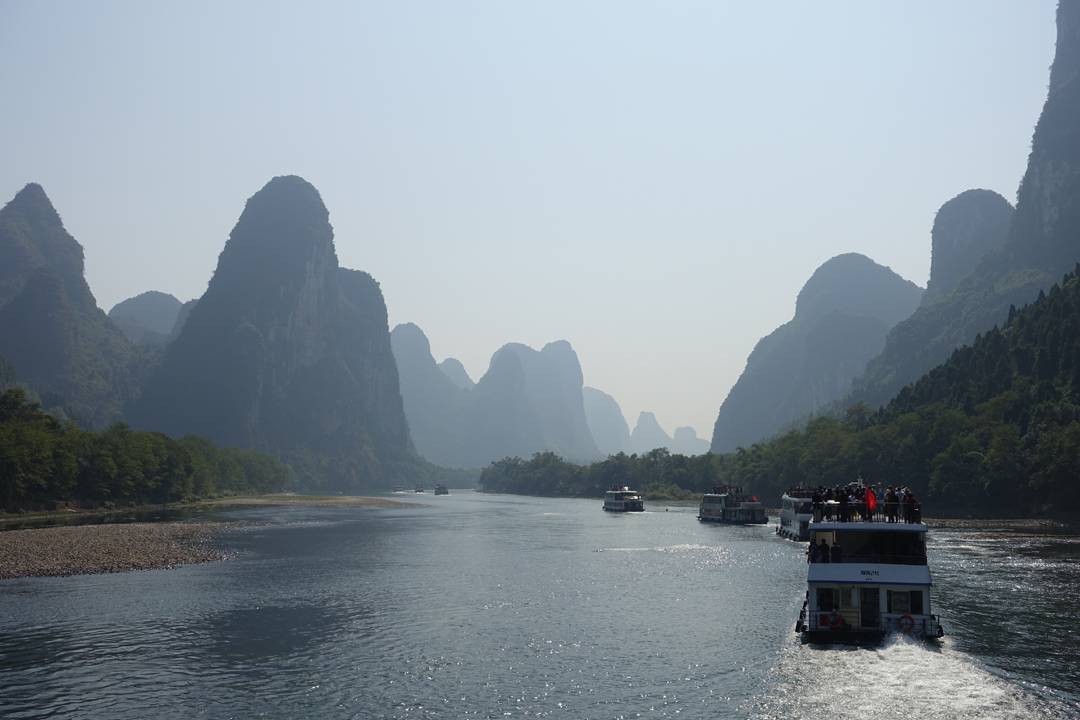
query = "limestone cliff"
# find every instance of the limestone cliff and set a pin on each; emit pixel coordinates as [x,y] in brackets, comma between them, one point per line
[965,228]
[454,370]
[686,442]
[606,422]
[1042,243]
[527,402]
[434,405]
[51,329]
[841,317]
[648,435]
[146,318]
[286,351]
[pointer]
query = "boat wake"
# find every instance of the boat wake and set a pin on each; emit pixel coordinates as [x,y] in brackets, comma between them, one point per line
[902,677]
[668,548]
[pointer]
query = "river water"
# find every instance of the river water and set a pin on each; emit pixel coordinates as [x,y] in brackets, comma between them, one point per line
[497,606]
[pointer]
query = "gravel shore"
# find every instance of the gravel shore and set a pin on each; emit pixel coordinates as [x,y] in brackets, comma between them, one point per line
[120,547]
[92,549]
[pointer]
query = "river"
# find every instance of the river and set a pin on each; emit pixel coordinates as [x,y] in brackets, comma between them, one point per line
[498,606]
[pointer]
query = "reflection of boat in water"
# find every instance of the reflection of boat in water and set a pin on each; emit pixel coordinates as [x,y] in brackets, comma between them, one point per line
[621,498]
[399,489]
[441,490]
[726,504]
[419,488]
[796,511]
[867,577]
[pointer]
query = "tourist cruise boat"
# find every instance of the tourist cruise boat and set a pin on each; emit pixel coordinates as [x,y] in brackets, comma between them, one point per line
[726,504]
[441,490]
[620,498]
[796,511]
[881,583]
[419,488]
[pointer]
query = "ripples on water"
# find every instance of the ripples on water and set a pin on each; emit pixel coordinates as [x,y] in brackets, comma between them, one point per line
[499,606]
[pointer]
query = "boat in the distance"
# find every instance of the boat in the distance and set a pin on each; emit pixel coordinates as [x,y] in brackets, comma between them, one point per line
[620,498]
[419,488]
[441,490]
[875,583]
[399,488]
[727,504]
[796,511]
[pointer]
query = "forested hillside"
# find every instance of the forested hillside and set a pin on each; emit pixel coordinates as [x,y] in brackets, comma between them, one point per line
[1042,243]
[993,430]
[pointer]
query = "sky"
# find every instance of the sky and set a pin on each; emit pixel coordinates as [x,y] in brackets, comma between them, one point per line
[652,182]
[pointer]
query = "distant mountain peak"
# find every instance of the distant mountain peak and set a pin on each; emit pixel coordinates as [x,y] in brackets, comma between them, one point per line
[453,369]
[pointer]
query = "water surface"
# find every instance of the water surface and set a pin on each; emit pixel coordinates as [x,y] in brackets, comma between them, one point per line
[505,606]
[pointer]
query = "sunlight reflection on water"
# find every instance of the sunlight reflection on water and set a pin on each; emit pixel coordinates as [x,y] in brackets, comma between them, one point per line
[505,607]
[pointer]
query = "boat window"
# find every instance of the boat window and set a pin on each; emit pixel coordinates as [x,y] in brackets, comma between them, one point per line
[915,602]
[825,599]
[899,601]
[849,597]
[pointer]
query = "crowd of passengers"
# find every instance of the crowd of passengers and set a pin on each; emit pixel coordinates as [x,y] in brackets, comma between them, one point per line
[854,503]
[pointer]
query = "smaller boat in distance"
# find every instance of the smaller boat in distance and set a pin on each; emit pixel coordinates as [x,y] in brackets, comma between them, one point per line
[620,498]
[419,488]
[441,490]
[399,488]
[796,512]
[727,504]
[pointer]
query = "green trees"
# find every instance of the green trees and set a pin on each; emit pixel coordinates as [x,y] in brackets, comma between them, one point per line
[42,460]
[657,474]
[994,430]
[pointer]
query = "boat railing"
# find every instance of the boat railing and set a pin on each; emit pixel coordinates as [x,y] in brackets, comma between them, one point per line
[885,512]
[876,558]
[833,621]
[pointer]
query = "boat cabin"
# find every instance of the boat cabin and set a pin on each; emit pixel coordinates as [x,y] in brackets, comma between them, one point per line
[867,578]
[620,498]
[728,504]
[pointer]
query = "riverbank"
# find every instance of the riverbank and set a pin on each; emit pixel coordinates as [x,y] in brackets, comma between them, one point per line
[125,546]
[243,500]
[96,549]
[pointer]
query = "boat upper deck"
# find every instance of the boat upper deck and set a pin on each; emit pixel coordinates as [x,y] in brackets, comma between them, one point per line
[833,511]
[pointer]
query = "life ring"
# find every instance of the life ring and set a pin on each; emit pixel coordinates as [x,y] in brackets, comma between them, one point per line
[905,623]
[835,620]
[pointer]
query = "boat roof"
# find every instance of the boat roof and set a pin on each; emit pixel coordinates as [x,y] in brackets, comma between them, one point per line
[865,526]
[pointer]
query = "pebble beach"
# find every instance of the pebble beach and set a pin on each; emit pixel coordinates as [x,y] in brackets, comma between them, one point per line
[90,549]
[122,547]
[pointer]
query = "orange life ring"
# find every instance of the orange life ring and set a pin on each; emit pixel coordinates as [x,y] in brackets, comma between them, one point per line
[905,622]
[835,620]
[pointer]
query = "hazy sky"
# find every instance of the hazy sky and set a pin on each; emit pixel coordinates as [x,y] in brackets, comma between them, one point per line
[652,182]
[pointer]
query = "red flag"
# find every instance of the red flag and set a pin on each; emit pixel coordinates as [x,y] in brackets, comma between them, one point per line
[871,501]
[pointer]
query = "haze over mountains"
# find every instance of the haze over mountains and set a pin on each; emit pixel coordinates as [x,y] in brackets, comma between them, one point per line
[147,318]
[285,350]
[1040,245]
[51,329]
[290,353]
[841,318]
[527,402]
